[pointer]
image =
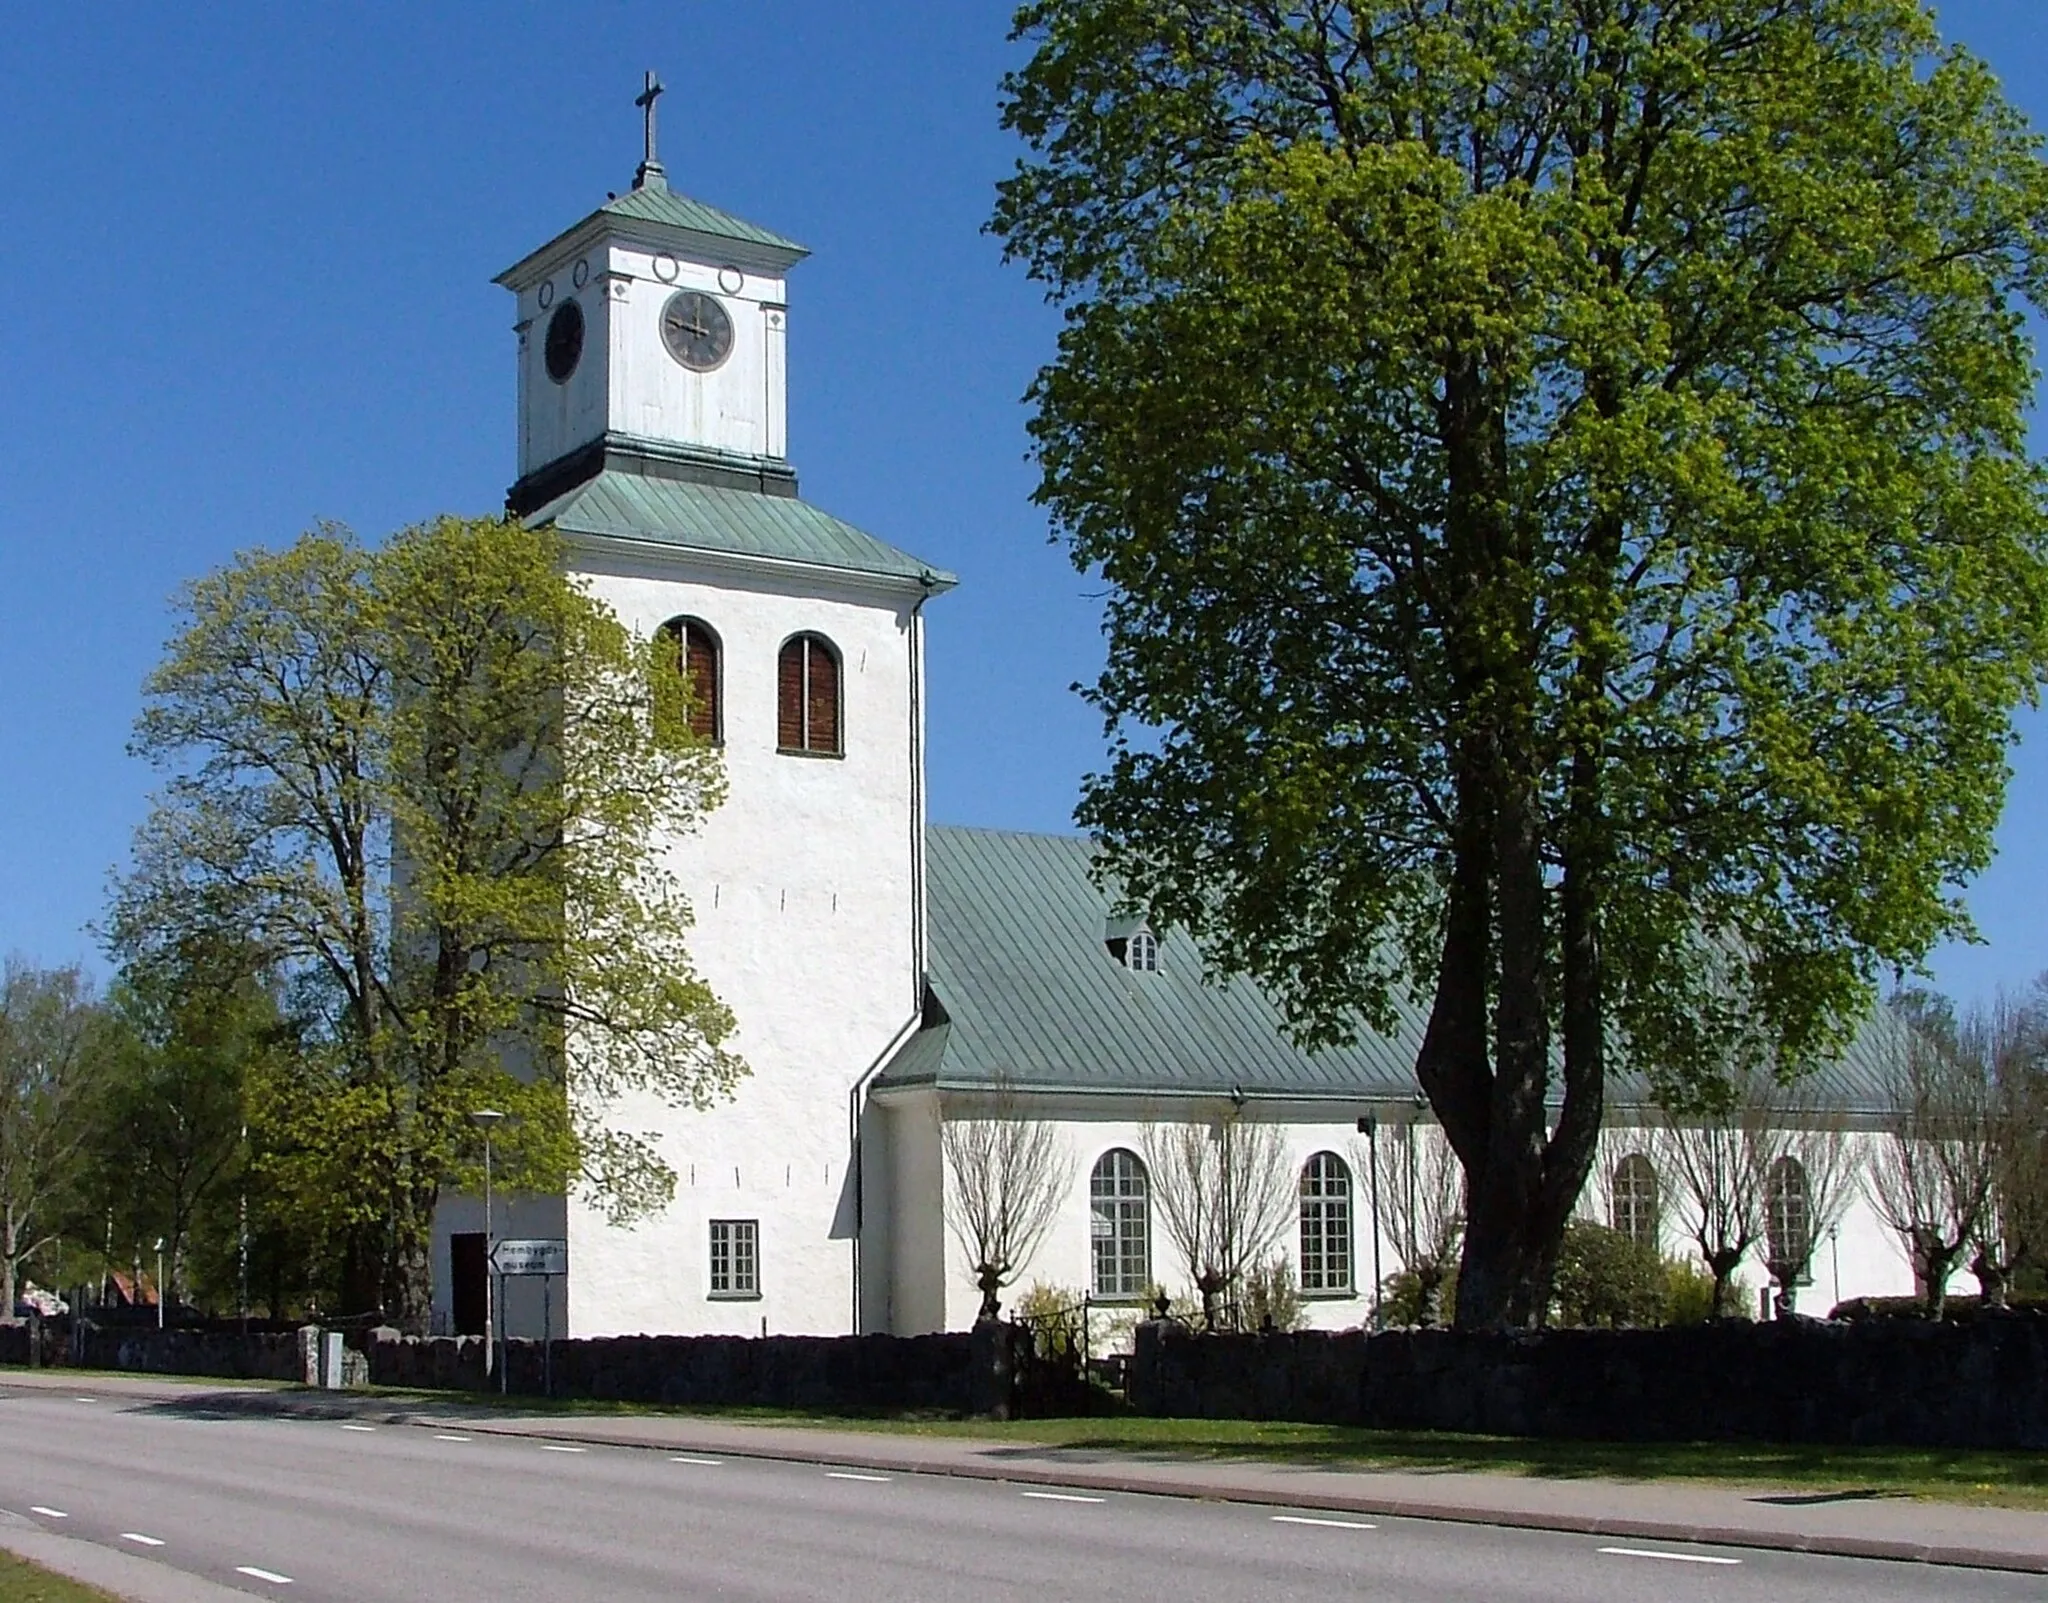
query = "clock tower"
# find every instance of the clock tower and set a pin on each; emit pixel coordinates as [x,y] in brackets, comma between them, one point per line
[651,337]
[652,440]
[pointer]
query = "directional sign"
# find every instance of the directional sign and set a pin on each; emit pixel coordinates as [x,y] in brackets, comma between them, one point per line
[541,1257]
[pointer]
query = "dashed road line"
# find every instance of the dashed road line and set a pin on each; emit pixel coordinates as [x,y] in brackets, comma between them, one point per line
[271,1576]
[561,1447]
[48,1513]
[684,1458]
[1676,1558]
[1335,1525]
[359,1427]
[85,1399]
[1063,1497]
[140,1540]
[442,1436]
[851,1475]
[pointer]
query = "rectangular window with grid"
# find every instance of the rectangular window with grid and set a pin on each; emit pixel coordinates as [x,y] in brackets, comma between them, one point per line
[735,1258]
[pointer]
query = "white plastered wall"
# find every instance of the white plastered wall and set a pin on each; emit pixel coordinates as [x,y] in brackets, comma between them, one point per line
[1861,1257]
[626,380]
[804,892]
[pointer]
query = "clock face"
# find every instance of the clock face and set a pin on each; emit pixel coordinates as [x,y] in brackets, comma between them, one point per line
[696,330]
[565,341]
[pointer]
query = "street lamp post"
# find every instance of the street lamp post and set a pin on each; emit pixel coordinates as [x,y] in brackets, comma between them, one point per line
[487,1120]
[159,1282]
[1369,1127]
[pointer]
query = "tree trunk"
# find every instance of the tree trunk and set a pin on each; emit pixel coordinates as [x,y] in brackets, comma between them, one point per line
[10,1244]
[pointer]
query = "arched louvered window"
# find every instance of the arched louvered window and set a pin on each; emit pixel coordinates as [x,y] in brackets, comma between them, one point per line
[697,657]
[1788,1219]
[1120,1218]
[1635,1200]
[807,697]
[1326,1224]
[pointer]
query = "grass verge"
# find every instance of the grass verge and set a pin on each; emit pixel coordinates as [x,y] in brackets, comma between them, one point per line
[2002,1479]
[23,1582]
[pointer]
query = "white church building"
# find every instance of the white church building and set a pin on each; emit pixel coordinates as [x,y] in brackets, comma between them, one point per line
[887,975]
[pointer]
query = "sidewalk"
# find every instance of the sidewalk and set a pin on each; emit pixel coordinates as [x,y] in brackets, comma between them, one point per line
[1845,1524]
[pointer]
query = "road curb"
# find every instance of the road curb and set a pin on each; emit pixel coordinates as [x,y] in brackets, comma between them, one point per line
[125,1575]
[1138,1483]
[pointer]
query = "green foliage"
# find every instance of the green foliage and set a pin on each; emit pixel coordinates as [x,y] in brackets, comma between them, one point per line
[1604,1278]
[1406,1299]
[1272,1299]
[428,785]
[1561,482]
[1054,1315]
[1689,1294]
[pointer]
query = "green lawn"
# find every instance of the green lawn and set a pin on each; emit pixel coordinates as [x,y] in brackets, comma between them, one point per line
[2012,1479]
[23,1582]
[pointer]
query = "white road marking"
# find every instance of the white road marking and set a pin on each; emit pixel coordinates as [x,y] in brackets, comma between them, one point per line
[1335,1525]
[146,1541]
[359,1427]
[1063,1497]
[1676,1558]
[271,1576]
[559,1447]
[681,1459]
[851,1475]
[48,1513]
[442,1437]
[85,1399]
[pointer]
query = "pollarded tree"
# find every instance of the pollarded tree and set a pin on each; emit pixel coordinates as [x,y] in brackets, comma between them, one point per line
[1421,1206]
[1226,1193]
[1006,1176]
[431,781]
[1720,1161]
[1559,470]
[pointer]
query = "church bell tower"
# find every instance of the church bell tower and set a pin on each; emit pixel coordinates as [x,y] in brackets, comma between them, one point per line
[653,442]
[651,337]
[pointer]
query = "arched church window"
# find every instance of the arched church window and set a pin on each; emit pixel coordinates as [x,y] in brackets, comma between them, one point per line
[690,646]
[1325,1224]
[1635,1200]
[1120,1219]
[1141,953]
[1788,1217]
[807,697]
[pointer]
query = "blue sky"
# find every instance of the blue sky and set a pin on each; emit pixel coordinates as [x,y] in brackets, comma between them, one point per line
[245,260]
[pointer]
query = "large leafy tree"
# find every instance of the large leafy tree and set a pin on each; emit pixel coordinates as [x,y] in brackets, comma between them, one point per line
[53,1055]
[1559,470]
[430,783]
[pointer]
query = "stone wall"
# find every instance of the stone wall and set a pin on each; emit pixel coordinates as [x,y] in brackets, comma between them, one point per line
[1894,1382]
[958,1373]
[224,1354]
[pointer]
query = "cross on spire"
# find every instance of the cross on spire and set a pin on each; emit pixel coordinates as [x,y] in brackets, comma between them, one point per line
[650,174]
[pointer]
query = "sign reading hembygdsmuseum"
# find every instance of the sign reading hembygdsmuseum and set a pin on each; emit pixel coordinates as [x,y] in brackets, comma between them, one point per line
[536,1257]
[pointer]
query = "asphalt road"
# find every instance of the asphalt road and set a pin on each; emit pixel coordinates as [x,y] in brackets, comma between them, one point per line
[317,1509]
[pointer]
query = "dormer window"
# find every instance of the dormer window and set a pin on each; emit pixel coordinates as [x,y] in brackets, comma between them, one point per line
[1141,953]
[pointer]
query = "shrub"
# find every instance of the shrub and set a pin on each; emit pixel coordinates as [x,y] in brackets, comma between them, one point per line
[1054,1315]
[1403,1297]
[1604,1278]
[1689,1294]
[1271,1296]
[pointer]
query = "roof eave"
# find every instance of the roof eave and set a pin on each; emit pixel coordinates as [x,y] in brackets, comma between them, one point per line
[600,224]
[931,582]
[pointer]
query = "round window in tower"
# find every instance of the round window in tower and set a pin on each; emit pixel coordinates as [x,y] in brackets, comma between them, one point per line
[565,341]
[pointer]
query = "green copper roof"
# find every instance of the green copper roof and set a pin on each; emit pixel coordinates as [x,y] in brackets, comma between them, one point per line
[652,204]
[727,522]
[1029,995]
